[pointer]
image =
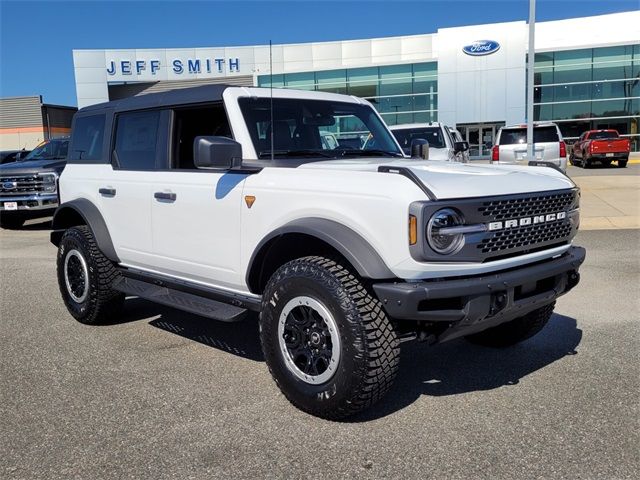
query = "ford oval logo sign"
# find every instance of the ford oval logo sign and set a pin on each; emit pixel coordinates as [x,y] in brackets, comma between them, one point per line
[9,185]
[481,47]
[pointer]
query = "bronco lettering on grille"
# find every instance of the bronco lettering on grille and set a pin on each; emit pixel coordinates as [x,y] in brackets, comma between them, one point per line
[522,222]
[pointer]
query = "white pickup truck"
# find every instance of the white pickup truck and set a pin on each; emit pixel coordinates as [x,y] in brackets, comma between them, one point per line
[223,200]
[445,143]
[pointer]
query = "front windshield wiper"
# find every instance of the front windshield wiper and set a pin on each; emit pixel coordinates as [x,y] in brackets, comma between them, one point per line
[370,153]
[296,153]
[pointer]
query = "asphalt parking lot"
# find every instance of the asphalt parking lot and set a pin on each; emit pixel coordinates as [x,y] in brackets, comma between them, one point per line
[164,394]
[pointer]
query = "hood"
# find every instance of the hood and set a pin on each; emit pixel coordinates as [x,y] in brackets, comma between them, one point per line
[449,180]
[32,166]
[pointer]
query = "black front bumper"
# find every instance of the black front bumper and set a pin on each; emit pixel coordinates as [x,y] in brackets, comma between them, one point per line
[468,305]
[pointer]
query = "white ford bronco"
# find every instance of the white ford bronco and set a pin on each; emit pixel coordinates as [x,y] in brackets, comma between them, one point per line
[222,200]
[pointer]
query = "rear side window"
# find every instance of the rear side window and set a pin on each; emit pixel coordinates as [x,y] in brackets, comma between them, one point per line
[518,136]
[87,138]
[136,140]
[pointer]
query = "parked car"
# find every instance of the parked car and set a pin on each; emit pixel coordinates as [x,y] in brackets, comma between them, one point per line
[511,145]
[344,252]
[8,156]
[442,142]
[29,187]
[604,146]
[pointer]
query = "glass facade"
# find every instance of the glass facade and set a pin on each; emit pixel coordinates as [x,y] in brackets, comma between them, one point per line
[401,93]
[590,89]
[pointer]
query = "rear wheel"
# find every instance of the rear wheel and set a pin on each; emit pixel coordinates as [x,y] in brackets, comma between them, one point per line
[572,158]
[326,339]
[85,278]
[622,163]
[515,331]
[606,163]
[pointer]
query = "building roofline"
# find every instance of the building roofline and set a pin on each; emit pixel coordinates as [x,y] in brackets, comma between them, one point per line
[391,37]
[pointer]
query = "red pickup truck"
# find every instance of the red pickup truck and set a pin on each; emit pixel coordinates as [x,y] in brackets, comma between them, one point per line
[603,146]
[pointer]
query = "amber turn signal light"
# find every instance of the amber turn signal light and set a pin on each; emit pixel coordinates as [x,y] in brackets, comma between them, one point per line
[413,230]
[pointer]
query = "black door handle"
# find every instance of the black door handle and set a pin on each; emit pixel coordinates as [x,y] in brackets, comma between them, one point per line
[108,192]
[165,196]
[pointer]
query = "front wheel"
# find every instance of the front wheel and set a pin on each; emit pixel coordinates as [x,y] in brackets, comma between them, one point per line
[85,278]
[515,331]
[326,339]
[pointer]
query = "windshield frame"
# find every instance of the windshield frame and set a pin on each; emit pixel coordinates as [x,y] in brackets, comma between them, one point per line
[253,157]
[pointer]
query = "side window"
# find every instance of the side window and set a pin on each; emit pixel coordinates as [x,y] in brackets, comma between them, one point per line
[189,123]
[87,138]
[136,140]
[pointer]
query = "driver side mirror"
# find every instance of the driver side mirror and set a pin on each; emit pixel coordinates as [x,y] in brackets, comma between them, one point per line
[460,147]
[420,148]
[220,153]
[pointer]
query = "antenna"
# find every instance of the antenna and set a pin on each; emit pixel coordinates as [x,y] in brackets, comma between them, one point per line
[271,94]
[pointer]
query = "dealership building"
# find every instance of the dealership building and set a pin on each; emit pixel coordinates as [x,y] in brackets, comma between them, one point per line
[587,74]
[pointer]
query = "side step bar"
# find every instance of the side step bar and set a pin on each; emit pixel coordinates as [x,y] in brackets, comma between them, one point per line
[188,302]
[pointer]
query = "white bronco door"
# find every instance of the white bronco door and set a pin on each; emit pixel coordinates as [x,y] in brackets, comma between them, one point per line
[196,225]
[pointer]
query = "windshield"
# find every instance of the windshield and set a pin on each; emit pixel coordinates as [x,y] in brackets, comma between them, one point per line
[518,136]
[603,135]
[52,150]
[315,128]
[433,135]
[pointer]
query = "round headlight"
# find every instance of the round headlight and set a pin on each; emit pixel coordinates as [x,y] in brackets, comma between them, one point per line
[443,241]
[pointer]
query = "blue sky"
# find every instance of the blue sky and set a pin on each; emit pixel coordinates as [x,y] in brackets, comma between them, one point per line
[36,38]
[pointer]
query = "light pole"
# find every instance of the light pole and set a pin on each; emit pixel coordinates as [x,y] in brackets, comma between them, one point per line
[530,65]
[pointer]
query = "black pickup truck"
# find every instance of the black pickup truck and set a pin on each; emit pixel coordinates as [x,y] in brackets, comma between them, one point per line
[29,187]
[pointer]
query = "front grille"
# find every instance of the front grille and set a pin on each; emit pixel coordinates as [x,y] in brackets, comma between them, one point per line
[21,185]
[523,237]
[528,206]
[505,226]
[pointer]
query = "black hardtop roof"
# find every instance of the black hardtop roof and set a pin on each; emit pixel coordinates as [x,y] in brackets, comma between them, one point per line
[178,96]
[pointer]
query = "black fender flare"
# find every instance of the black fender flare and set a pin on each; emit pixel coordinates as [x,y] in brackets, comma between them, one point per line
[351,245]
[63,219]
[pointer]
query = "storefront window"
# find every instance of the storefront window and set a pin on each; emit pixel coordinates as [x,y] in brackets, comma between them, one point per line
[265,81]
[610,108]
[544,59]
[572,57]
[425,102]
[613,54]
[612,70]
[580,91]
[403,93]
[301,81]
[395,80]
[543,76]
[566,111]
[334,81]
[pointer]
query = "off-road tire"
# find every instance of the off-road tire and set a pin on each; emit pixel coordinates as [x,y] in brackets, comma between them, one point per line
[370,348]
[102,302]
[10,221]
[515,331]
[622,163]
